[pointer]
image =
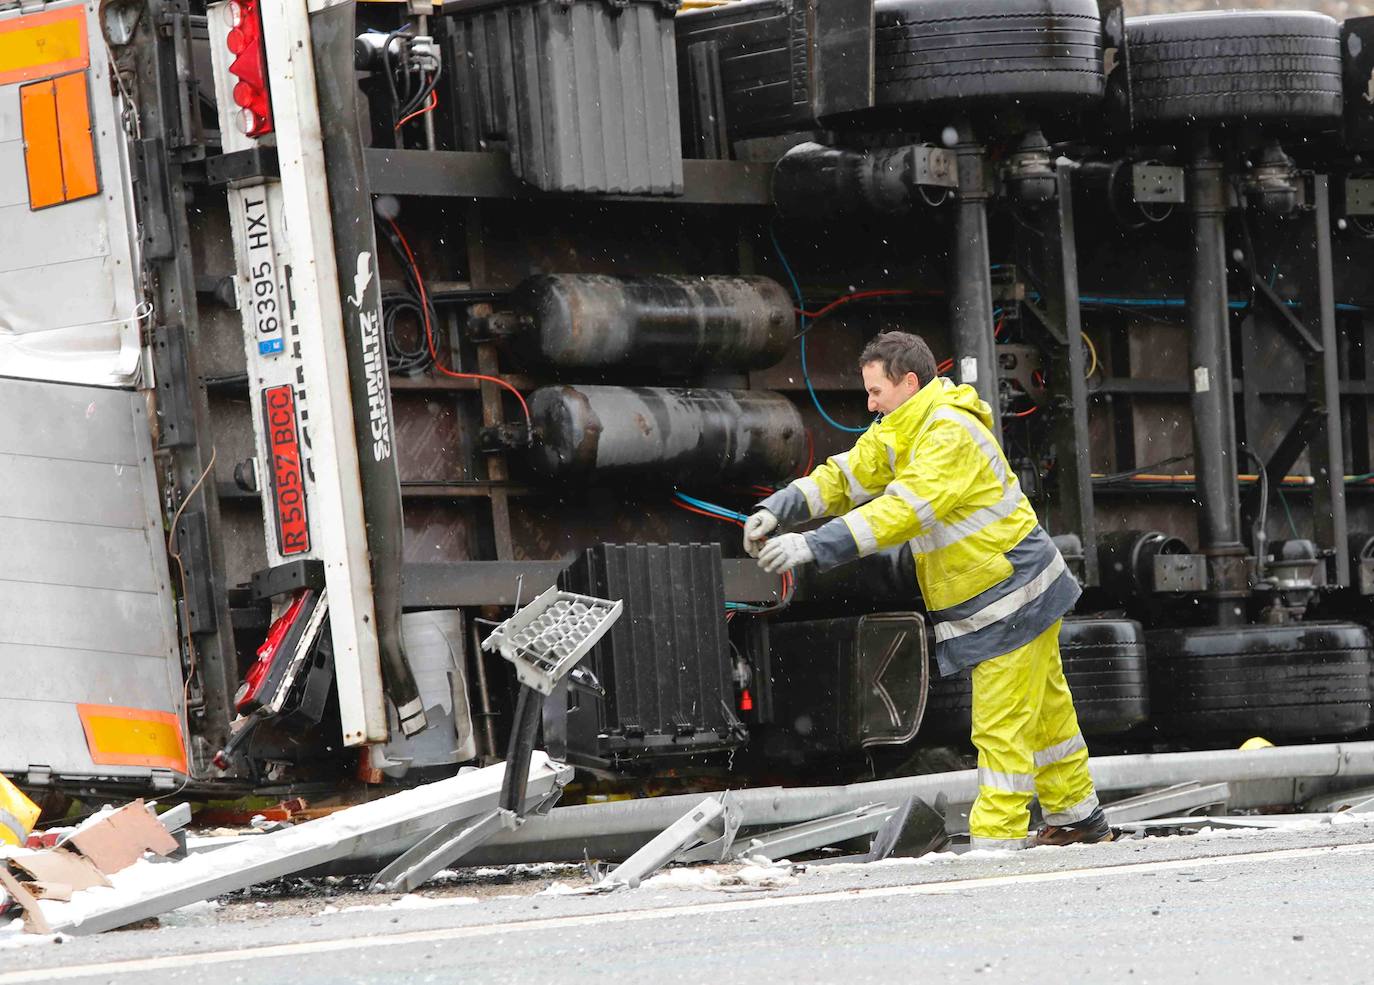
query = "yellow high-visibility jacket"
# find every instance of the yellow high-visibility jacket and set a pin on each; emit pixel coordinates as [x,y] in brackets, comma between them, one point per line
[931,474]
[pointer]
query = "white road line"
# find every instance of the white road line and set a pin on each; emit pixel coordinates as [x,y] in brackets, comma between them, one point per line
[257,955]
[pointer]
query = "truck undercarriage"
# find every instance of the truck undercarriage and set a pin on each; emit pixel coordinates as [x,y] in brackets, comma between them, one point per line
[379,320]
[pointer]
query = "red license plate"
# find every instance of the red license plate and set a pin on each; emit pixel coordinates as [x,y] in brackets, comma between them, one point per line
[288,482]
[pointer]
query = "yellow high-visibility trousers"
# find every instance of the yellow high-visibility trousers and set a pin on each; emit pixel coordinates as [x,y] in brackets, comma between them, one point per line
[1028,742]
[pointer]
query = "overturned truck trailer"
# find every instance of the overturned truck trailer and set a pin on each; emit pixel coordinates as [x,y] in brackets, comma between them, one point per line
[329,333]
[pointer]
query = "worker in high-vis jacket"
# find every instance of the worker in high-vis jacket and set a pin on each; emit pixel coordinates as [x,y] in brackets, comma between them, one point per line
[930,473]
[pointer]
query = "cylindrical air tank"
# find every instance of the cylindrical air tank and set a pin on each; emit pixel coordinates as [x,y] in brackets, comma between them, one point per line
[702,436]
[676,325]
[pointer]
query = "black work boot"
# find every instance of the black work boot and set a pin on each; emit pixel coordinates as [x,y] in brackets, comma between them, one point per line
[1089,831]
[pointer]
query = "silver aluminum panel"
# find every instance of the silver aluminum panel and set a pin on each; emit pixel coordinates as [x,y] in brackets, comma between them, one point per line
[86,607]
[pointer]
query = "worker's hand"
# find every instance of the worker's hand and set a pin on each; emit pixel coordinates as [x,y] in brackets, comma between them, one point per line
[785,553]
[756,530]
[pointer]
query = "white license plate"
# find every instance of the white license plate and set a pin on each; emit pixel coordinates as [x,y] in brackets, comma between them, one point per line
[262,293]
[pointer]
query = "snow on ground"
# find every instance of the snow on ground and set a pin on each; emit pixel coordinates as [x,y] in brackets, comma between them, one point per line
[410,901]
[202,914]
[749,876]
[12,935]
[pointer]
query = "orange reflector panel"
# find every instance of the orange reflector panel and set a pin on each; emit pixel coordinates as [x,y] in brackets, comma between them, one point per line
[42,151]
[74,136]
[59,152]
[48,43]
[133,737]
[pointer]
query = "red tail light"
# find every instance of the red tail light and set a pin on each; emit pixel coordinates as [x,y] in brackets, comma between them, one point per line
[746,701]
[249,66]
[250,693]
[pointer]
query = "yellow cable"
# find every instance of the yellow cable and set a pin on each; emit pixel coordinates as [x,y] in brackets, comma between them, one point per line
[1291,480]
[1092,349]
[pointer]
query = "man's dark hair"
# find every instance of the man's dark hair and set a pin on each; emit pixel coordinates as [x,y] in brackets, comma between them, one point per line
[900,353]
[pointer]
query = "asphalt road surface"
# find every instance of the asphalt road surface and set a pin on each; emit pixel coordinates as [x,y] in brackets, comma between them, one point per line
[1258,907]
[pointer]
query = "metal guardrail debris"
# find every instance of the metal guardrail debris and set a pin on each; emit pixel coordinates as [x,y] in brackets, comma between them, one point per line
[1170,800]
[354,830]
[617,830]
[544,640]
[682,834]
[444,820]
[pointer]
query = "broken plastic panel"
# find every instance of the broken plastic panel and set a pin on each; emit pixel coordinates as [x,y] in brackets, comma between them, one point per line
[547,638]
[289,641]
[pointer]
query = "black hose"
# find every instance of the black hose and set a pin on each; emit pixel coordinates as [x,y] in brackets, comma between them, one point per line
[401,358]
[529,712]
[421,94]
[1119,476]
[390,73]
[1260,532]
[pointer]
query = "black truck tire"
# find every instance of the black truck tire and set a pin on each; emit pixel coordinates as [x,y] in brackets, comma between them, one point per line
[949,707]
[1219,66]
[1104,664]
[926,53]
[1300,680]
[1038,52]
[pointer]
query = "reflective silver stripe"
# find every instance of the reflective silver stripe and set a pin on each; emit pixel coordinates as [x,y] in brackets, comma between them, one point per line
[1010,782]
[1006,605]
[944,534]
[997,844]
[924,511]
[985,442]
[1080,811]
[858,495]
[811,489]
[863,533]
[1061,750]
[11,824]
[892,458]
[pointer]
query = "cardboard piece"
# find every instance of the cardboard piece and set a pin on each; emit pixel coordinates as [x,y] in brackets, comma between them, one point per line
[59,891]
[34,921]
[62,867]
[119,840]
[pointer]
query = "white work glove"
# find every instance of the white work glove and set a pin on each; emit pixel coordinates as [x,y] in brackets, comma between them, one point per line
[756,530]
[785,553]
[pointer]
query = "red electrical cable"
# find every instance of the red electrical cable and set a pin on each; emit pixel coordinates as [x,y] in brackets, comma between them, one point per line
[429,332]
[859,296]
[427,108]
[810,451]
[1026,413]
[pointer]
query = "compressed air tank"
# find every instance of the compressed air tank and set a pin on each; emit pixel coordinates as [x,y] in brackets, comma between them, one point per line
[671,435]
[676,325]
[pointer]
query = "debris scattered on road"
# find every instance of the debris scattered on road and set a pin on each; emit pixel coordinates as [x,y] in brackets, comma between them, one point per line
[144,889]
[119,839]
[111,870]
[34,919]
[751,876]
[58,866]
